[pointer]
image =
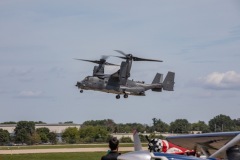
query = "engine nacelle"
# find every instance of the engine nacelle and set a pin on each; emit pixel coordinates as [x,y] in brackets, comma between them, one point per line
[98,69]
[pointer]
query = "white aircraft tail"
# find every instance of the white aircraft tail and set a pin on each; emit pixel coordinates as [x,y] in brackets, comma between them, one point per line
[137,142]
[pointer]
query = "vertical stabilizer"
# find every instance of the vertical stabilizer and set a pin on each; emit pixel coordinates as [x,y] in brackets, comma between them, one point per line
[137,142]
[158,78]
[168,83]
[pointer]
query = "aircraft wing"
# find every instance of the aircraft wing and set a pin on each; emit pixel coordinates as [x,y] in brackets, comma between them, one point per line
[115,75]
[215,143]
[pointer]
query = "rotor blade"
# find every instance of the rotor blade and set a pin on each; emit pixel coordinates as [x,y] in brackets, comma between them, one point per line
[135,58]
[121,52]
[120,57]
[144,59]
[111,64]
[96,61]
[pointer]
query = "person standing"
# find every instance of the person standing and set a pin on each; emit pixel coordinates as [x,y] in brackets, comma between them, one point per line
[113,153]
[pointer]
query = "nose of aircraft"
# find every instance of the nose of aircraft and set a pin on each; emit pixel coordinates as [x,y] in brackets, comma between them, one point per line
[79,84]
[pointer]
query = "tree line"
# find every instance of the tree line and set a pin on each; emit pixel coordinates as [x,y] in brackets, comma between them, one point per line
[97,131]
[25,133]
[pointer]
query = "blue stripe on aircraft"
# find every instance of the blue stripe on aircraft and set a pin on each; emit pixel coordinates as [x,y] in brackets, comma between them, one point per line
[178,157]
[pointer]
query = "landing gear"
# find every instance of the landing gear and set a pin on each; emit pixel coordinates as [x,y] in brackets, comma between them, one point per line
[117,96]
[81,91]
[125,96]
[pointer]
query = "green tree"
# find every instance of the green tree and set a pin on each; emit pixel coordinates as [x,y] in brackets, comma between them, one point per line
[4,136]
[71,135]
[40,122]
[34,138]
[89,134]
[43,133]
[143,138]
[22,136]
[109,124]
[129,127]
[200,126]
[52,137]
[10,122]
[23,131]
[237,124]
[153,135]
[159,125]
[180,126]
[125,140]
[68,122]
[221,123]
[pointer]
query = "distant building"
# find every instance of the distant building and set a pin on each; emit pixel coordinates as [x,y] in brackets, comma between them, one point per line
[57,128]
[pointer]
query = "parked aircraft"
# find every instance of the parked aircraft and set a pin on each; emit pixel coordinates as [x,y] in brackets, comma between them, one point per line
[214,145]
[228,143]
[160,145]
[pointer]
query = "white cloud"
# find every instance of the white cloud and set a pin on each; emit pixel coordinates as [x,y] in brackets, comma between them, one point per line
[30,94]
[227,81]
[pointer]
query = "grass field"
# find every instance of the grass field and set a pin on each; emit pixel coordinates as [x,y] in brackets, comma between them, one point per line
[58,156]
[55,156]
[64,146]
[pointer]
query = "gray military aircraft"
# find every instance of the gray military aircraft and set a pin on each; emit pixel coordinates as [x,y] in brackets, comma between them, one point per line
[118,83]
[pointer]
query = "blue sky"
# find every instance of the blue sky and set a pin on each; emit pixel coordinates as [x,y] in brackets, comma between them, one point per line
[198,40]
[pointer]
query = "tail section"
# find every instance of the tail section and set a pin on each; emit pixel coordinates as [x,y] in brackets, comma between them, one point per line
[168,83]
[157,79]
[137,142]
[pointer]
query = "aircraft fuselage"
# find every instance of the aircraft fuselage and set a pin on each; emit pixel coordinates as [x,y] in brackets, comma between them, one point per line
[110,86]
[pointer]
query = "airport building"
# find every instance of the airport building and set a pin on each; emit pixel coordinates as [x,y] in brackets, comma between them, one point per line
[57,128]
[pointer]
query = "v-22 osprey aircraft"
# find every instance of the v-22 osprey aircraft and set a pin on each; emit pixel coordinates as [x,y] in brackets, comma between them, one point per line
[118,82]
